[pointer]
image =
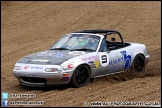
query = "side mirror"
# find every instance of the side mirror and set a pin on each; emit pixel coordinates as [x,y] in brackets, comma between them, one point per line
[108,51]
[112,39]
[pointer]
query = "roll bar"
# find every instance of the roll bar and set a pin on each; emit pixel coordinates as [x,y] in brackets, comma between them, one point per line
[106,33]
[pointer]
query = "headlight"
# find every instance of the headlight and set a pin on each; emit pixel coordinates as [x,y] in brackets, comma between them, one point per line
[51,69]
[17,67]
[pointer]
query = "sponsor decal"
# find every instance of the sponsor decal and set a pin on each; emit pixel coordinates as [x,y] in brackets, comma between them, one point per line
[40,60]
[26,67]
[117,67]
[36,67]
[94,64]
[70,66]
[117,61]
[90,58]
[59,55]
[127,60]
[97,63]
[65,78]
[76,52]
[120,63]
[104,59]
[45,53]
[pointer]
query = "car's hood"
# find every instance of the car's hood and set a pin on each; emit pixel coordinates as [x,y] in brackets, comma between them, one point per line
[51,57]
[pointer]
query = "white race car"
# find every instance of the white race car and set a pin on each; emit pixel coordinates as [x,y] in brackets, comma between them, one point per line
[80,56]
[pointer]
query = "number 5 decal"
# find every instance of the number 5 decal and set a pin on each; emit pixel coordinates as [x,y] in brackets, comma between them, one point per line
[104,59]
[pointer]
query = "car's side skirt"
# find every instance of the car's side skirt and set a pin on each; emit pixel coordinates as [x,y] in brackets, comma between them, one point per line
[108,74]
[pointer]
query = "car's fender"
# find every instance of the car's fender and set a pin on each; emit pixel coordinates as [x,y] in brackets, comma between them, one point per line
[138,49]
[86,59]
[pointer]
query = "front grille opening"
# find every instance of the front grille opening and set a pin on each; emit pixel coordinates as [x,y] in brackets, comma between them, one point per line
[34,79]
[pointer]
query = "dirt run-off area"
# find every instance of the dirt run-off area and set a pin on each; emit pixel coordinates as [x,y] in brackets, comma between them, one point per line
[33,26]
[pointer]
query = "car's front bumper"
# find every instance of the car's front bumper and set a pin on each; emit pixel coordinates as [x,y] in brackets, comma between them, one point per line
[39,78]
[26,79]
[25,83]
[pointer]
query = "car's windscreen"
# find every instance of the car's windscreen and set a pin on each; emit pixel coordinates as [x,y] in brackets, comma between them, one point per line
[77,42]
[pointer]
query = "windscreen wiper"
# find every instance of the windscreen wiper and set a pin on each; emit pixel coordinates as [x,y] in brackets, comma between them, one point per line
[59,49]
[83,49]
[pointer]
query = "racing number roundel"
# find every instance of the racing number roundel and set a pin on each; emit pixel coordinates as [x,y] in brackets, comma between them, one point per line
[104,59]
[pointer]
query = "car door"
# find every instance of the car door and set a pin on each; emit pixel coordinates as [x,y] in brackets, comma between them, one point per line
[116,61]
[103,58]
[110,61]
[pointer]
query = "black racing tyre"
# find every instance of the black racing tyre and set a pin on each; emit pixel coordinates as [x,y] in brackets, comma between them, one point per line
[138,65]
[80,77]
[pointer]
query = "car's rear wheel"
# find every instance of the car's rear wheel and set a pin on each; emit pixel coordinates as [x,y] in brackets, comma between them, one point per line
[138,65]
[81,76]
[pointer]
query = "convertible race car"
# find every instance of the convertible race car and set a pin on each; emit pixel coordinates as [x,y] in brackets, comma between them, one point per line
[80,56]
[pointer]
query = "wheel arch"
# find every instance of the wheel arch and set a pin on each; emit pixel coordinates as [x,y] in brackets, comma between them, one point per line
[73,82]
[141,54]
[136,55]
[85,65]
[138,71]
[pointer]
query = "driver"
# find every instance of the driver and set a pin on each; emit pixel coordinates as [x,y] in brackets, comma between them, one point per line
[86,43]
[91,44]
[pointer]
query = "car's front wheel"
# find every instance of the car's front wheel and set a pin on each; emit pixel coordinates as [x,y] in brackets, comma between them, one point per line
[81,76]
